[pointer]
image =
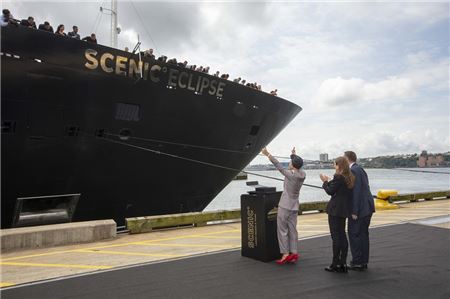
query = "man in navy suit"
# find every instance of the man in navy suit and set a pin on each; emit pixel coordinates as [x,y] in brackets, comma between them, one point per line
[362,209]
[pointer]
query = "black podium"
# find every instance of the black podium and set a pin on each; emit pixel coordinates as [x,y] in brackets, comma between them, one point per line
[259,224]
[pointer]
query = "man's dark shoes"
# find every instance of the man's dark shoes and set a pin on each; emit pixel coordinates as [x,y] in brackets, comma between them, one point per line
[331,268]
[357,267]
[342,268]
[337,268]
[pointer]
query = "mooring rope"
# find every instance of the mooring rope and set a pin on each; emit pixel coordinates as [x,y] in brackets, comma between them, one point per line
[193,160]
[287,158]
[194,146]
[180,144]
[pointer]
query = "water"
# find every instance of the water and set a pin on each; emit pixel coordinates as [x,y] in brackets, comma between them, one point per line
[402,181]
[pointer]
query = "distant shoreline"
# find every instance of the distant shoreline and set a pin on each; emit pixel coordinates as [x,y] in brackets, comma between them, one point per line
[269,167]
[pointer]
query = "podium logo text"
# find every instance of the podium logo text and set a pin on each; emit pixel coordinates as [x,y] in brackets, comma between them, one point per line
[251,228]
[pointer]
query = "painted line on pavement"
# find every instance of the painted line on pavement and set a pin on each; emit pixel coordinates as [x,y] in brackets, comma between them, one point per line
[215,237]
[188,245]
[131,253]
[55,265]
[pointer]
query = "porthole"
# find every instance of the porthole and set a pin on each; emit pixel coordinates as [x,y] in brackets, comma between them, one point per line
[125,134]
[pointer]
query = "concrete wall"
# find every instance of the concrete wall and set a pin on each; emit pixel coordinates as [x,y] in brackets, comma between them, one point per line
[56,234]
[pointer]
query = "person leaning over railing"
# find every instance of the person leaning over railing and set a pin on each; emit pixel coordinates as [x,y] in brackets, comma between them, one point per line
[7,18]
[74,33]
[148,53]
[183,64]
[90,39]
[28,23]
[172,61]
[60,30]
[46,27]
[162,58]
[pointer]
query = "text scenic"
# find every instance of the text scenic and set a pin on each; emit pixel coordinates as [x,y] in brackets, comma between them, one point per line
[129,67]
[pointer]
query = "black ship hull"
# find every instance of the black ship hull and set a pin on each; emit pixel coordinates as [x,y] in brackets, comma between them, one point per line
[128,143]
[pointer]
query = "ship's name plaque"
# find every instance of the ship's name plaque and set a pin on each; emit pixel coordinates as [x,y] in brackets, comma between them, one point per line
[173,78]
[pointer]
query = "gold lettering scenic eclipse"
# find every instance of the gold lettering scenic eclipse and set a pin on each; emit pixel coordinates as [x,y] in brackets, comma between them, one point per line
[128,67]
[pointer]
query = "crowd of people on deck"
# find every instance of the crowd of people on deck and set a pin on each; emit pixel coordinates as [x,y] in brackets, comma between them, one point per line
[201,69]
[7,18]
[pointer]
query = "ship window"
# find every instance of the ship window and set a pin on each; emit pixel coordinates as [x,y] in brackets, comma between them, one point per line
[254,130]
[127,112]
[8,126]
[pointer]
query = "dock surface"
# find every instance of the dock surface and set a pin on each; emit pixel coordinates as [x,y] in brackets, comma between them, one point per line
[29,266]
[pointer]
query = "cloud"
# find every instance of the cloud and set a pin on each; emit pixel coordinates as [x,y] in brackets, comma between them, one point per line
[371,144]
[422,72]
[389,143]
[130,37]
[388,14]
[338,91]
[433,75]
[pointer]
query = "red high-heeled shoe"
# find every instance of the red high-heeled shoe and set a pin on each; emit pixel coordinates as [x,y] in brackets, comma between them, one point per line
[283,260]
[293,258]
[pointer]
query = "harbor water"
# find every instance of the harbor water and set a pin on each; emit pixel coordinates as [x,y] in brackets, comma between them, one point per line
[404,181]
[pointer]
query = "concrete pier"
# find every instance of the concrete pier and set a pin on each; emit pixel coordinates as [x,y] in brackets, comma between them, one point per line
[161,245]
[56,234]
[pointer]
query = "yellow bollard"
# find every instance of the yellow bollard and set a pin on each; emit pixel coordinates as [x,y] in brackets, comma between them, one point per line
[381,203]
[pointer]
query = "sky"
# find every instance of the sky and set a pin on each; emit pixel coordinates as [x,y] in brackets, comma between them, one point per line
[372,77]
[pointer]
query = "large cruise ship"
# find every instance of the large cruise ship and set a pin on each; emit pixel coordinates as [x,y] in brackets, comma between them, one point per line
[93,132]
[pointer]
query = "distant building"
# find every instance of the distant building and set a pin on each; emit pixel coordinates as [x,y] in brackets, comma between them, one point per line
[426,160]
[323,157]
[435,160]
[422,162]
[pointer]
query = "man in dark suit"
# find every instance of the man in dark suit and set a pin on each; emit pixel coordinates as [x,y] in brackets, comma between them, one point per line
[362,209]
